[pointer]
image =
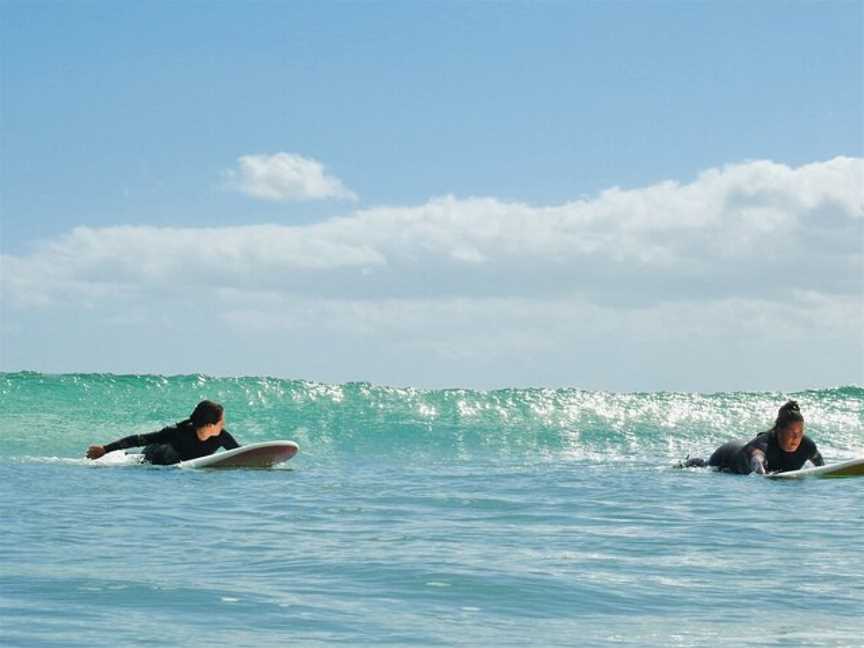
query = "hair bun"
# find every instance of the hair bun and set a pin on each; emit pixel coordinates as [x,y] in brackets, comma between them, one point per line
[789,412]
[791,406]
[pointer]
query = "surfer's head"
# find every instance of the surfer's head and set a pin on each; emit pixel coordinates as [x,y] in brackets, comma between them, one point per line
[789,427]
[208,413]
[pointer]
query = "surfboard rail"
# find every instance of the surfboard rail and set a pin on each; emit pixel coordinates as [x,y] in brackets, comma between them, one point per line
[850,468]
[265,454]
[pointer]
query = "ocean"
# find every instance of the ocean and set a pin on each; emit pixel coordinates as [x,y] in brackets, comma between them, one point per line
[410,517]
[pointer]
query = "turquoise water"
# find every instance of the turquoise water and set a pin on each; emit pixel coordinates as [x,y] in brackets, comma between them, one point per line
[441,518]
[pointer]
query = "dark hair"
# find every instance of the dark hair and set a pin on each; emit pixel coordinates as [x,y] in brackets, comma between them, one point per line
[789,413]
[206,413]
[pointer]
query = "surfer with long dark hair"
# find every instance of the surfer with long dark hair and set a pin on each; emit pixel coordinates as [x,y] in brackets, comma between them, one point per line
[198,436]
[783,448]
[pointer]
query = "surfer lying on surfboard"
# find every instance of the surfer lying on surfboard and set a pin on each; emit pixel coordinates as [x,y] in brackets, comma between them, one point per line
[198,436]
[783,448]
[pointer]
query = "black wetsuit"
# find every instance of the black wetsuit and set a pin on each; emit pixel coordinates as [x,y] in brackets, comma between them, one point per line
[736,456]
[174,443]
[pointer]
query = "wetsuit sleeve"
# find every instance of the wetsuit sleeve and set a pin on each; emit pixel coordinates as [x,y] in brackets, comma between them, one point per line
[757,462]
[137,440]
[228,441]
[812,451]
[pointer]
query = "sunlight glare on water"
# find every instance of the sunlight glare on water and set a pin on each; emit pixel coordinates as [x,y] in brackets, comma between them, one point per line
[410,517]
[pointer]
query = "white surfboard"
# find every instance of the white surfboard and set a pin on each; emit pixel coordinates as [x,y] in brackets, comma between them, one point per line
[253,455]
[851,468]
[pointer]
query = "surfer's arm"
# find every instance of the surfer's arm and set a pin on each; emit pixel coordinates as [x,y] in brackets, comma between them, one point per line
[228,441]
[133,441]
[136,440]
[817,459]
[757,462]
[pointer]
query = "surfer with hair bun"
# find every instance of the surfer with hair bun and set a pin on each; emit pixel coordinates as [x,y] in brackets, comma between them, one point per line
[783,448]
[198,436]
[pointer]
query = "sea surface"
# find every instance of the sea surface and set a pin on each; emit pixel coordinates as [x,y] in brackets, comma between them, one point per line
[516,517]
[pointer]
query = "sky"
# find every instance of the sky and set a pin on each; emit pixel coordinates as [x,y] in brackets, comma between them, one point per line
[618,196]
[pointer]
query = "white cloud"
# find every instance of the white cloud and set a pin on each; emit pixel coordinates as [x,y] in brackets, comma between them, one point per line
[512,326]
[750,276]
[755,230]
[736,343]
[285,176]
[729,343]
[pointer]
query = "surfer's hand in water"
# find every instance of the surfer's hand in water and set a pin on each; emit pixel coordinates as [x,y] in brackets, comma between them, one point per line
[756,463]
[95,451]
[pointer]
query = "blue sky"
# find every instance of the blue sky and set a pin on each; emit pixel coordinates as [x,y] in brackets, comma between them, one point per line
[117,114]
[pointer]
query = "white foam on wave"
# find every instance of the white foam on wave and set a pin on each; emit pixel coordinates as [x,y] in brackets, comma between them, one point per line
[116,458]
[119,458]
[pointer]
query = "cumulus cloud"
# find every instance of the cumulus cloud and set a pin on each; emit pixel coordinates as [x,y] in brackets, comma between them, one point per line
[753,270]
[284,177]
[754,230]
